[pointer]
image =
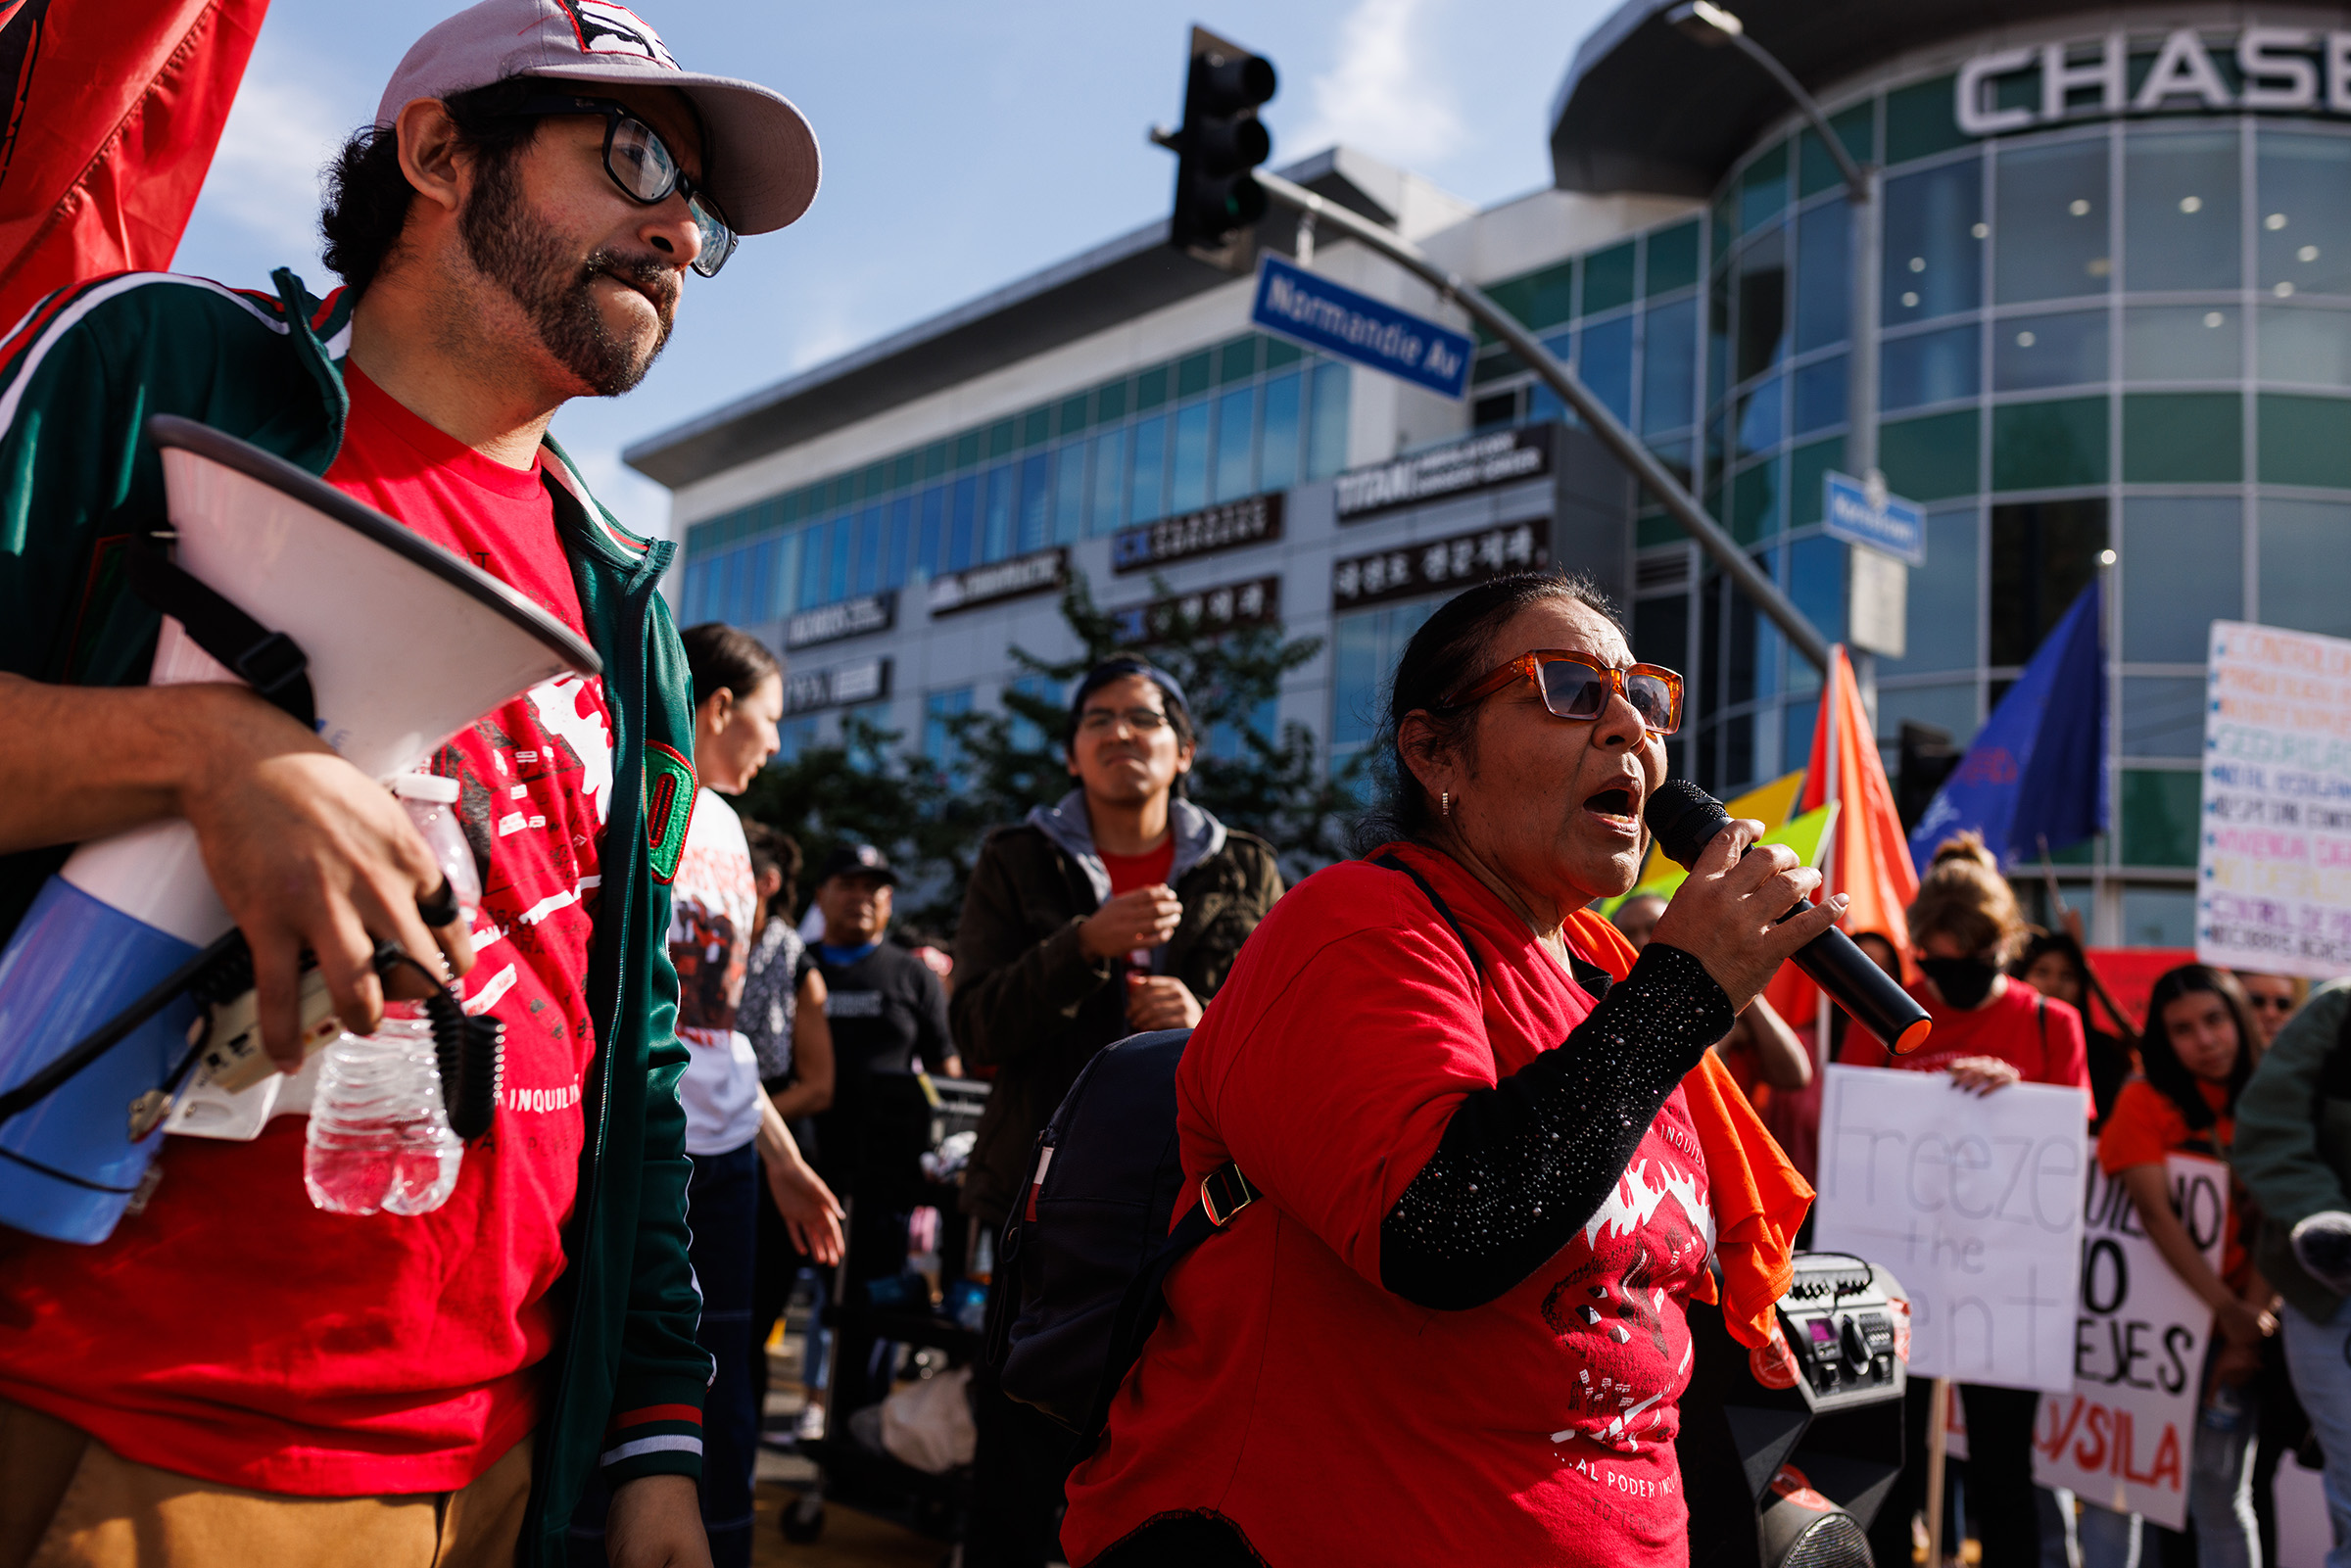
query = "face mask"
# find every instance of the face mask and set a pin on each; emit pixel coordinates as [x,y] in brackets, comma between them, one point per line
[1963,982]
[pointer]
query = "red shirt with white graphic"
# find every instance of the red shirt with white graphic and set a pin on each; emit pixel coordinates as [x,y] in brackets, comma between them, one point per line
[1536,1428]
[234,1333]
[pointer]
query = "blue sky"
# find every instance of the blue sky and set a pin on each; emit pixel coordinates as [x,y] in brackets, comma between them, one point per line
[965,145]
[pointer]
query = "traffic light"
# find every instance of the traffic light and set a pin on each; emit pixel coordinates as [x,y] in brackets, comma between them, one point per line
[1221,141]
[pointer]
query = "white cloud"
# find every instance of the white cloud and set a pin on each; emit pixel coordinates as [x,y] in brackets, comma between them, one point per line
[1382,95]
[281,131]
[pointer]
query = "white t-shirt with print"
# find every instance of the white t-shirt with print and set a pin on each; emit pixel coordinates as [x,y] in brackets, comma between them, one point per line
[712,904]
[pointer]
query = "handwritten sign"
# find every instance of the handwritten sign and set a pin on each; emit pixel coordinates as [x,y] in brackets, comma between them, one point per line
[2273,866]
[2122,1439]
[1975,1203]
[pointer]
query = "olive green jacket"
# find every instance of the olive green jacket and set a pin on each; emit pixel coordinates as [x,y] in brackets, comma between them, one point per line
[78,378]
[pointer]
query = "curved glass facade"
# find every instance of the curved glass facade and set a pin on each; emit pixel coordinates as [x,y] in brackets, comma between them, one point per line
[2127,334]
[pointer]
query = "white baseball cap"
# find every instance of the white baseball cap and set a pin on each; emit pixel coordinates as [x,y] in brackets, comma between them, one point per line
[763,166]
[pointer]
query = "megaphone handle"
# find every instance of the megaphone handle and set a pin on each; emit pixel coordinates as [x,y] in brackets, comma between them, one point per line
[270,662]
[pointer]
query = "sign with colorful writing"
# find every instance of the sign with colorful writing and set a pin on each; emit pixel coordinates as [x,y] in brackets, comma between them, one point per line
[1210,610]
[1321,315]
[1975,1203]
[1438,565]
[2123,1437]
[2274,856]
[1233,525]
[1452,470]
[1043,571]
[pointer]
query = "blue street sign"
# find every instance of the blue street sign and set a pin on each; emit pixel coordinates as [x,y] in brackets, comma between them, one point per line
[1319,313]
[1882,522]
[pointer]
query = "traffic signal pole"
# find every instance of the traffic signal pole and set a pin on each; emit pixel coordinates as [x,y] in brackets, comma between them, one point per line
[1596,415]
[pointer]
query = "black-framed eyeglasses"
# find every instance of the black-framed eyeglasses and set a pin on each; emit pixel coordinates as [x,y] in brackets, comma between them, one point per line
[1101,720]
[647,171]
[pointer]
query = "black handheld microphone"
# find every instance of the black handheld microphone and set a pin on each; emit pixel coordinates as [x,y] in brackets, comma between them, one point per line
[1686,819]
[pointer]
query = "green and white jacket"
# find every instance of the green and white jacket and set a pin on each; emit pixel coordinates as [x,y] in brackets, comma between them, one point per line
[78,378]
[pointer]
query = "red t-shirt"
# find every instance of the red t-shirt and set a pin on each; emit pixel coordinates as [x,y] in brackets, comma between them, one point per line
[2043,1049]
[234,1333]
[1146,870]
[2145,1128]
[1332,1420]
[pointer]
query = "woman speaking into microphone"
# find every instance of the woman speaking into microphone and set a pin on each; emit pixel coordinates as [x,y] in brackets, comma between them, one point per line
[1448,1325]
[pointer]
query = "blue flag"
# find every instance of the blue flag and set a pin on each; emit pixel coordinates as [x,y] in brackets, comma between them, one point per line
[2037,768]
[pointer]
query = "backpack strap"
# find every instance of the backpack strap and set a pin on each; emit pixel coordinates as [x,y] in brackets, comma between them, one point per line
[1223,1192]
[1444,913]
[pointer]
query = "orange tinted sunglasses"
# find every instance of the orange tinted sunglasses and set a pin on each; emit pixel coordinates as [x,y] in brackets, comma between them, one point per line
[1577,687]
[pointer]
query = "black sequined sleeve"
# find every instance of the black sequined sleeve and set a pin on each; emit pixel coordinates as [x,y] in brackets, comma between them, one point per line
[1523,1165]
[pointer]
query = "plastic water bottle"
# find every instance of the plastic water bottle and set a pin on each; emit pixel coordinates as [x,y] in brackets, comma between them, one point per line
[379,1138]
[431,801]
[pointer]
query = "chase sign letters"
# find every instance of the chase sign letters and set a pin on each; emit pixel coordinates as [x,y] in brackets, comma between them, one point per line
[2290,69]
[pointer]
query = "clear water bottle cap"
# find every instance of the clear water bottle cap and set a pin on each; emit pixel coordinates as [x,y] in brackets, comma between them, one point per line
[425,787]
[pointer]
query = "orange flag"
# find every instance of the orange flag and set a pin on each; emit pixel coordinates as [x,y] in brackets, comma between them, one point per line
[1869,855]
[115,109]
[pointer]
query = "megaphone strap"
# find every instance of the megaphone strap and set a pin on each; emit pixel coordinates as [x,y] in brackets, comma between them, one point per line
[267,661]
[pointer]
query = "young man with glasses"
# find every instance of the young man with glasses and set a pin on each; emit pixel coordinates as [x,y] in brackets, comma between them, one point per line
[235,1376]
[1118,909]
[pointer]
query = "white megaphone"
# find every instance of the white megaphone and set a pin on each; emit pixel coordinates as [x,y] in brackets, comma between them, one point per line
[403,645]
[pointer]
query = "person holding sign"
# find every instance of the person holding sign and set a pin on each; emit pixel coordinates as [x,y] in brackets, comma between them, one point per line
[2196,1056]
[1990,1032]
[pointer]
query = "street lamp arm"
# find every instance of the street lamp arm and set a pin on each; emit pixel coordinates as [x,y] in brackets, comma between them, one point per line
[1620,442]
[1856,183]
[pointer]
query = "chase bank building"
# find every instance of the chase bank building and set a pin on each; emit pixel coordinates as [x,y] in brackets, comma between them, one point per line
[2097,317]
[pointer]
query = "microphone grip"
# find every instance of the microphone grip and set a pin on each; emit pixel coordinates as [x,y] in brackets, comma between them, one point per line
[1866,992]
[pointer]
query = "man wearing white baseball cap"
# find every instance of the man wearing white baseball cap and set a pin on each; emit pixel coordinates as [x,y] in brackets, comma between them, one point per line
[235,1376]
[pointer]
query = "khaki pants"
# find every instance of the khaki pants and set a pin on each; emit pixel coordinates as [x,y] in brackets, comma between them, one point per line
[67,1501]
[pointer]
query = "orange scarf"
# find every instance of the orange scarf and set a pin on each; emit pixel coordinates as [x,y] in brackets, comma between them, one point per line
[1758,1199]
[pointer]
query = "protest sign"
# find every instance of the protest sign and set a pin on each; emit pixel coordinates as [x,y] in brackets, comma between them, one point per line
[1975,1203]
[2274,863]
[2123,1437]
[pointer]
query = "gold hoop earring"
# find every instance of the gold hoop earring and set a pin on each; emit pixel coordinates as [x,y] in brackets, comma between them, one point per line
[1445,802]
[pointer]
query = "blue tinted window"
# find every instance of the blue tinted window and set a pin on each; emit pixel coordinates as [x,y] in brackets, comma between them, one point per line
[1934,258]
[1146,488]
[1364,649]
[1763,290]
[996,513]
[2051,223]
[1816,583]
[940,746]
[1069,493]
[812,567]
[1326,441]
[1758,427]
[1933,367]
[1187,489]
[1026,735]
[1608,364]
[899,549]
[963,528]
[869,549]
[2065,350]
[1036,503]
[1109,484]
[1824,266]
[930,546]
[1821,394]
[1277,462]
[1234,416]
[836,558]
[1670,368]
[794,736]
[1943,604]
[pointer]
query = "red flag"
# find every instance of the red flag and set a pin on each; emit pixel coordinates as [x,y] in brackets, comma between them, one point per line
[115,109]
[1869,855]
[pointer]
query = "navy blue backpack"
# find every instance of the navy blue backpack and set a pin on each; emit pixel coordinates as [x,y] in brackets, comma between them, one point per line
[1087,1249]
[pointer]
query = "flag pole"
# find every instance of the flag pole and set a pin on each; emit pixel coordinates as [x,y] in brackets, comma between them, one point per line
[1830,795]
[2089,976]
[1939,1399]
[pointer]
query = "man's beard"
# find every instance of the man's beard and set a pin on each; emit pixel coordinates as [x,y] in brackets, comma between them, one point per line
[519,250]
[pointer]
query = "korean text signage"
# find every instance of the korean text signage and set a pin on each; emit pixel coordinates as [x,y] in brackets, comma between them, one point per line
[1042,572]
[2123,1437]
[1216,609]
[1478,463]
[2289,69]
[2273,857]
[836,685]
[1975,1203]
[1321,315]
[1234,525]
[1438,565]
[829,623]
[1862,513]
